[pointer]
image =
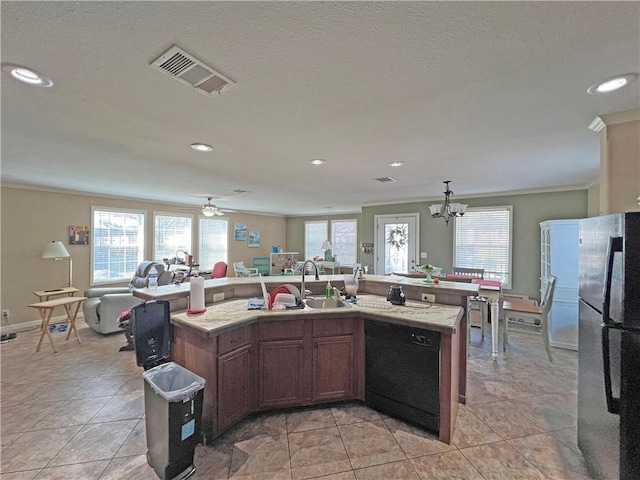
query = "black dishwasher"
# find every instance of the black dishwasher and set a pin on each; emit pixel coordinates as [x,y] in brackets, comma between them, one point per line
[402,372]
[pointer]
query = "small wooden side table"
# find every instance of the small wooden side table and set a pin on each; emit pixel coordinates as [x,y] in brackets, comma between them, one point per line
[46,309]
[43,295]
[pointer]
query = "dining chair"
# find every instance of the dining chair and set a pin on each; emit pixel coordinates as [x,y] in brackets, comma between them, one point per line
[471,272]
[241,270]
[520,308]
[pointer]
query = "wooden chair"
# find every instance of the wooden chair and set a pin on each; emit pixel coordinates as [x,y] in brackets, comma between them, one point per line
[262,264]
[241,270]
[521,308]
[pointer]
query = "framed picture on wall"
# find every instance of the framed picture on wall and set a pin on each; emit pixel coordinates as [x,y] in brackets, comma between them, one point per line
[78,235]
[254,238]
[240,231]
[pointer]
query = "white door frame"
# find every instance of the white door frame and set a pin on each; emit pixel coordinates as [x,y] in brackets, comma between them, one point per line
[379,249]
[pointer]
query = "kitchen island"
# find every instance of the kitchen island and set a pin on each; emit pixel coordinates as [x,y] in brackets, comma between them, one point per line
[260,360]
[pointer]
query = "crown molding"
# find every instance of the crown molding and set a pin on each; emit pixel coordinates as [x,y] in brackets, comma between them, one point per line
[460,196]
[592,183]
[129,199]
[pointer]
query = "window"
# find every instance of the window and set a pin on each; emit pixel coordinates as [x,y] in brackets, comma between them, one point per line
[171,233]
[314,234]
[482,239]
[213,244]
[344,241]
[117,244]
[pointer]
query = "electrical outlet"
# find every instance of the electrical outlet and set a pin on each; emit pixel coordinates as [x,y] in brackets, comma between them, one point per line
[218,297]
[5,314]
[428,297]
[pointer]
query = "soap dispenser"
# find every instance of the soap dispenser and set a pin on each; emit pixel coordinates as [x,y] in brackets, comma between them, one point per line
[329,290]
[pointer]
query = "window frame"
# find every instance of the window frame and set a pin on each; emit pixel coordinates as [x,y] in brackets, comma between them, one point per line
[509,209]
[94,237]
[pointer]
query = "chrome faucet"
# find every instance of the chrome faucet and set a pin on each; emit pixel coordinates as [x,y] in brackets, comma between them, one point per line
[303,292]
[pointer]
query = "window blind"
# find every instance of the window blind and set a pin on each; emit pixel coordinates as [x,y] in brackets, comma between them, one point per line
[344,241]
[117,244]
[314,234]
[213,244]
[171,233]
[482,239]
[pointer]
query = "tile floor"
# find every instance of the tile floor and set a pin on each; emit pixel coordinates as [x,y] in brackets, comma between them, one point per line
[79,414]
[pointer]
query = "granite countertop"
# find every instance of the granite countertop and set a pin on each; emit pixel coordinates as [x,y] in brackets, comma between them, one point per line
[231,314]
[171,292]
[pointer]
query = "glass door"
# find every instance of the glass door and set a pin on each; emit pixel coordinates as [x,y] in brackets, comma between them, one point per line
[396,243]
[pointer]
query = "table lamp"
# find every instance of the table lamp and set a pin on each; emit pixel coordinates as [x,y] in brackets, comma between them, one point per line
[57,251]
[326,246]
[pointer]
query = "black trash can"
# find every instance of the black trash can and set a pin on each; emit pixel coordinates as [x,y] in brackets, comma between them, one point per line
[173,416]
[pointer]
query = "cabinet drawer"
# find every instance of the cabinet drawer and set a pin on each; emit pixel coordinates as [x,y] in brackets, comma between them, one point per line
[280,330]
[231,340]
[326,327]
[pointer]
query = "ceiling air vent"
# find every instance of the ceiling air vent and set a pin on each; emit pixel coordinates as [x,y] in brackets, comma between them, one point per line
[186,68]
[386,179]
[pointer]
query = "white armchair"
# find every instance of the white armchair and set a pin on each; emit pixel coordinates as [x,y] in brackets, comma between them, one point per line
[241,270]
[103,306]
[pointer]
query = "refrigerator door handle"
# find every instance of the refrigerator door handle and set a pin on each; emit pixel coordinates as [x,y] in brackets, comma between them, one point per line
[613,403]
[615,245]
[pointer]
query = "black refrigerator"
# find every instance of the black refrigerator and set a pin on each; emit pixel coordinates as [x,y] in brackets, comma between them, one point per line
[609,346]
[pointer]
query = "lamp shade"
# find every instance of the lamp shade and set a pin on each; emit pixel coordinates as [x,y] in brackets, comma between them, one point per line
[326,245]
[54,249]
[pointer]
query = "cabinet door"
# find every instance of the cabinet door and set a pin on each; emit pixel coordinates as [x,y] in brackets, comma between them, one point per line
[280,373]
[234,386]
[333,368]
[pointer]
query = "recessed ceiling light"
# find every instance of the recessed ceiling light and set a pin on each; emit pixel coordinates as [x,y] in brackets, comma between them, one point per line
[202,147]
[612,83]
[317,161]
[395,164]
[26,75]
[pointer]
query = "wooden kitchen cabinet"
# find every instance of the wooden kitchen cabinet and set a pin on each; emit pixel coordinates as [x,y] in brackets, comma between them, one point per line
[333,368]
[281,373]
[235,398]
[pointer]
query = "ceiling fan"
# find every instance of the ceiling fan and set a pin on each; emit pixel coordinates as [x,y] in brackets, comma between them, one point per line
[209,209]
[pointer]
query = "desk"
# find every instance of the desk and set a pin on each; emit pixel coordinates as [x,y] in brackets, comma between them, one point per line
[46,309]
[43,295]
[331,265]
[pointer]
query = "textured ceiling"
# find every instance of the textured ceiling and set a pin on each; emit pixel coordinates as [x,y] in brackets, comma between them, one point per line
[490,95]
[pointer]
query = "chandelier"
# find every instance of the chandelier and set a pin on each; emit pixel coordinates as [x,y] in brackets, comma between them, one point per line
[448,209]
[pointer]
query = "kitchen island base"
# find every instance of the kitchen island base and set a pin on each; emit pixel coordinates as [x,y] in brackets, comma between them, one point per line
[294,360]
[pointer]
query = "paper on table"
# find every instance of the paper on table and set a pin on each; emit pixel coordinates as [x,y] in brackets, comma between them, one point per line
[196,295]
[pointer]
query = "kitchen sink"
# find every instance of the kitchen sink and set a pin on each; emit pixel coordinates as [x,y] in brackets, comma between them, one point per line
[325,303]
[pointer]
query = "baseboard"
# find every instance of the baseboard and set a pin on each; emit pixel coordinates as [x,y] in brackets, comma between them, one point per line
[567,346]
[19,327]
